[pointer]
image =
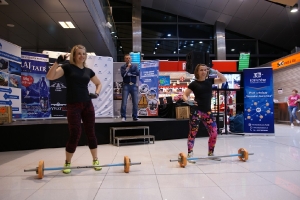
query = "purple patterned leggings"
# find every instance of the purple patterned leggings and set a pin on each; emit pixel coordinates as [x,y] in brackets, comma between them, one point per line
[75,113]
[207,119]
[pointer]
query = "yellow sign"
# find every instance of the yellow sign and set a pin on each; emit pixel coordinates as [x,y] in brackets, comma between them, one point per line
[285,62]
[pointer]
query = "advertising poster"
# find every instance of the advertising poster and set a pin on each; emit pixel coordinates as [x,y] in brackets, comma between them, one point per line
[103,68]
[35,87]
[258,101]
[58,89]
[10,77]
[148,89]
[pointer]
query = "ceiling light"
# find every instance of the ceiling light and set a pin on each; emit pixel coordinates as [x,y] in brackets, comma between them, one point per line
[232,49]
[70,25]
[200,42]
[154,52]
[10,25]
[121,47]
[66,24]
[294,8]
[112,32]
[169,35]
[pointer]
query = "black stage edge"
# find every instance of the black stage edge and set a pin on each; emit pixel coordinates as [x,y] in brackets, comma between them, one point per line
[53,133]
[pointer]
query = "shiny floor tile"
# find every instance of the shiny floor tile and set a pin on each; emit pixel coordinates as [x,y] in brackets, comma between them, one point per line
[271,173]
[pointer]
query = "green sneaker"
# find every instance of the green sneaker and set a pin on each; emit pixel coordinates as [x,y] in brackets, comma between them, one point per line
[67,171]
[96,163]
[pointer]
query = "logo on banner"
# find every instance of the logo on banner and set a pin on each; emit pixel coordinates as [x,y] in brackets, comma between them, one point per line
[59,107]
[100,58]
[96,65]
[257,78]
[58,86]
[105,65]
[105,79]
[100,72]
[108,72]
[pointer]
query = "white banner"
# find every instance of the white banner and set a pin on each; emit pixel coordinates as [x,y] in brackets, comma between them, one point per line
[10,77]
[103,67]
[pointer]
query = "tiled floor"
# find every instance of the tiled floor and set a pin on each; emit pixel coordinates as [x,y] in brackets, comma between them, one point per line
[271,173]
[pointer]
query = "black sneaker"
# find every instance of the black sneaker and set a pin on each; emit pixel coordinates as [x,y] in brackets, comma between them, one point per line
[136,119]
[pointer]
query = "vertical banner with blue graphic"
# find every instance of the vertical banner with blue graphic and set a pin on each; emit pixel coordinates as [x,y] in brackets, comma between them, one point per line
[136,58]
[148,88]
[258,101]
[58,89]
[35,86]
[10,77]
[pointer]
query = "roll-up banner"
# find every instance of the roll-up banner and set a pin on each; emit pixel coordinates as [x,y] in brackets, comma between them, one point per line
[10,77]
[148,88]
[58,89]
[103,68]
[258,101]
[35,86]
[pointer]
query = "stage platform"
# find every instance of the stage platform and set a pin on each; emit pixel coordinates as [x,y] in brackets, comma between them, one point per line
[53,133]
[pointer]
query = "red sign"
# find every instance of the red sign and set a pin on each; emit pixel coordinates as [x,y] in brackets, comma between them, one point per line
[26,80]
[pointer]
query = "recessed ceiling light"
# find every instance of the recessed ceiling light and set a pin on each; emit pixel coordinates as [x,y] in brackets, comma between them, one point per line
[169,35]
[232,49]
[10,25]
[67,24]
[200,42]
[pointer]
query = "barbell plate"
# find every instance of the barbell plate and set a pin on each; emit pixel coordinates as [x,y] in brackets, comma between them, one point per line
[126,164]
[182,159]
[244,154]
[41,169]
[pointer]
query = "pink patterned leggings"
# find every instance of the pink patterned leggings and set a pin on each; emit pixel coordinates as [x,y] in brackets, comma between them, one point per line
[207,119]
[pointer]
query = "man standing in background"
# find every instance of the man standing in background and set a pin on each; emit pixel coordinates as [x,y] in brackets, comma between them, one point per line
[129,74]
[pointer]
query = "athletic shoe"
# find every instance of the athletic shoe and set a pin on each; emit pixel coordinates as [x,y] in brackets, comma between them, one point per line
[96,163]
[292,125]
[216,159]
[136,119]
[67,171]
[190,155]
[123,119]
[297,121]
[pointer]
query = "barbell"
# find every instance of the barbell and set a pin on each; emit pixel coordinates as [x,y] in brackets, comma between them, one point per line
[40,169]
[242,154]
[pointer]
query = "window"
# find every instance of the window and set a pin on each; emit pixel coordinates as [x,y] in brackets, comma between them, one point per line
[149,15]
[238,46]
[159,31]
[186,46]
[159,46]
[196,31]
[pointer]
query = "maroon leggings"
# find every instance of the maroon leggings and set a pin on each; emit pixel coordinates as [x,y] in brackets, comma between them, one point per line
[76,112]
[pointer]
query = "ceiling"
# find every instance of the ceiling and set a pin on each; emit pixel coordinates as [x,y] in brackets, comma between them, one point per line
[37,29]
[259,19]
[36,26]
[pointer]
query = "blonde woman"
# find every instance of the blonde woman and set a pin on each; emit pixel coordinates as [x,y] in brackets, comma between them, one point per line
[79,104]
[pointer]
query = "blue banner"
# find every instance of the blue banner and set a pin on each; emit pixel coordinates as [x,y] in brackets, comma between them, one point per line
[35,86]
[148,89]
[258,101]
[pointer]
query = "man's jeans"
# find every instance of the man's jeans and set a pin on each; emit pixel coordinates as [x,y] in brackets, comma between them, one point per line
[133,91]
